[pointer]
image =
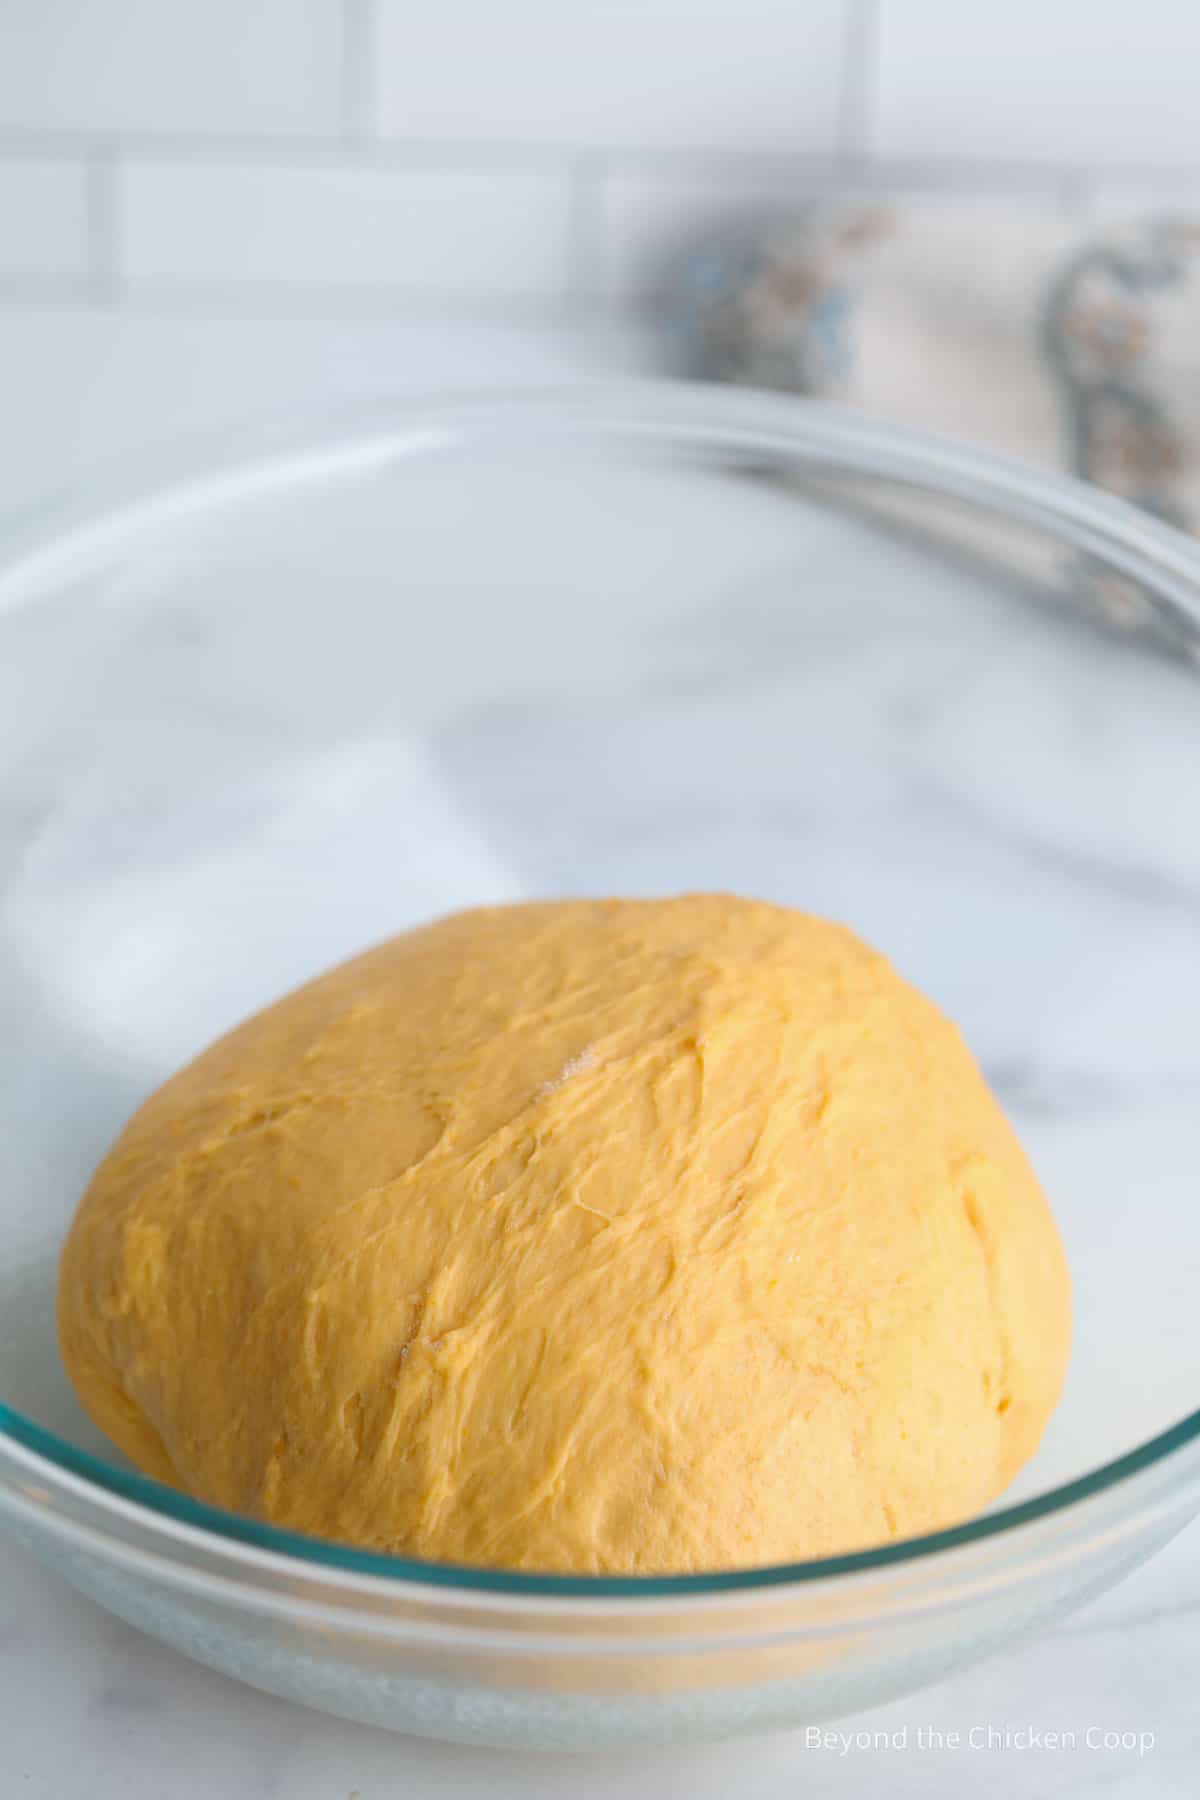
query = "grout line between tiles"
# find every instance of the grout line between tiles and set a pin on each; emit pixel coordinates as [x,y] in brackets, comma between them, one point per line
[300,152]
[102,222]
[856,99]
[357,75]
[24,290]
[286,299]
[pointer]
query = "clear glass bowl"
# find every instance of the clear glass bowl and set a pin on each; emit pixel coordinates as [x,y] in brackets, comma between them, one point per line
[629,640]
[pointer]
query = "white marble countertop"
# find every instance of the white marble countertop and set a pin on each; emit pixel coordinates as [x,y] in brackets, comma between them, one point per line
[91,1707]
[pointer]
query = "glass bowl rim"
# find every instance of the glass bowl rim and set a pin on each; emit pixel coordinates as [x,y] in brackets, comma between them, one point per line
[78,526]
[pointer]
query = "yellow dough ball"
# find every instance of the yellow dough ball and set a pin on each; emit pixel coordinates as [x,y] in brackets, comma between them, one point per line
[597,1236]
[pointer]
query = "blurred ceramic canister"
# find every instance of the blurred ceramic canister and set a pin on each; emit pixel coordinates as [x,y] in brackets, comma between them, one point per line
[770,303]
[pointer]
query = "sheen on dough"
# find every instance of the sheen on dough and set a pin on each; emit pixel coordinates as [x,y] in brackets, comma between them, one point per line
[592,1236]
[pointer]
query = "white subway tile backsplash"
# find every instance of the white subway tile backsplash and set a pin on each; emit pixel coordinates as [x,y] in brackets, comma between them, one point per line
[438,231]
[43,216]
[657,74]
[210,66]
[543,149]
[1100,81]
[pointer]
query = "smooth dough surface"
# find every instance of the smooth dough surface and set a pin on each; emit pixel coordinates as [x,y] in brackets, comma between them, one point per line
[612,1236]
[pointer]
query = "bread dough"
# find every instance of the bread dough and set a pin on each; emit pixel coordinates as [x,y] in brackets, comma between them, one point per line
[613,1236]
